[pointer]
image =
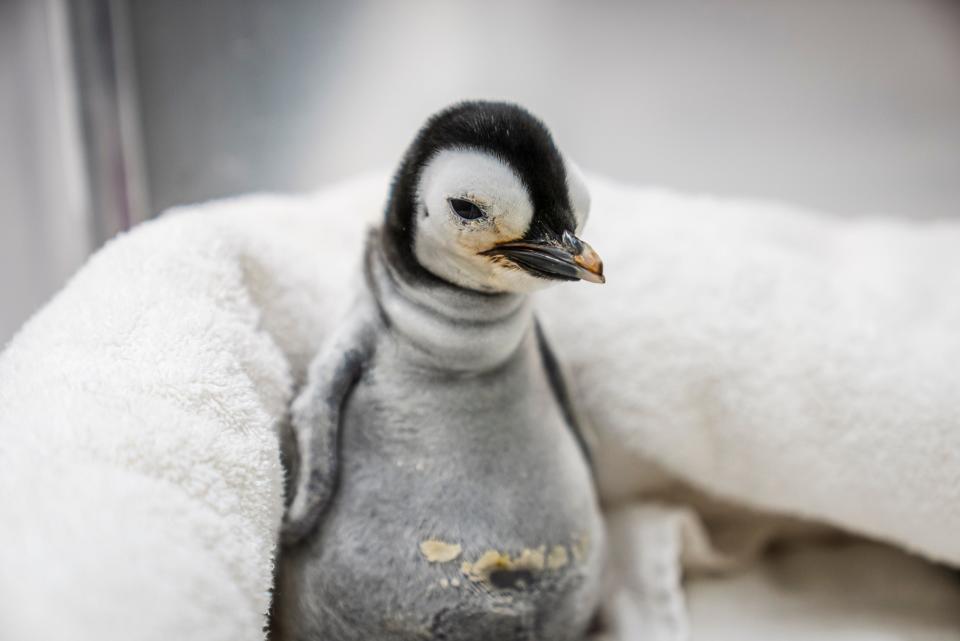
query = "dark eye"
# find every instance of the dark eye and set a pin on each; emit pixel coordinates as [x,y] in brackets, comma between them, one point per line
[465,209]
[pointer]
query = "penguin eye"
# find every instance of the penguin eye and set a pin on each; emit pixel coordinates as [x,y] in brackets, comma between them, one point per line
[465,209]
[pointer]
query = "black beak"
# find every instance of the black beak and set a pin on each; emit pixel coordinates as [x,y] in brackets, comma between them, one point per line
[568,259]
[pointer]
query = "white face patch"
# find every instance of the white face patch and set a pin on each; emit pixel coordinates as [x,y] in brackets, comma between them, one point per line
[449,245]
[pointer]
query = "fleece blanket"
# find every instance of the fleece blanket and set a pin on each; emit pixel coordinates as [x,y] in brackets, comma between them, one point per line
[754,373]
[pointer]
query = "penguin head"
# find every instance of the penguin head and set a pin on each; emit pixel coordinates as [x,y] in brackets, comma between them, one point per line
[484,200]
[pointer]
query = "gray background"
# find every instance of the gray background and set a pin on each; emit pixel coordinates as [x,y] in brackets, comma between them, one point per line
[851,106]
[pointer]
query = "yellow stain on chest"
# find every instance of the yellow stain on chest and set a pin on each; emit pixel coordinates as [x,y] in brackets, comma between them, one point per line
[492,561]
[437,551]
[580,547]
[557,558]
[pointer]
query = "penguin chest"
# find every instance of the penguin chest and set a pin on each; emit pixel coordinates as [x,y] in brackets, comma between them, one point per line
[470,498]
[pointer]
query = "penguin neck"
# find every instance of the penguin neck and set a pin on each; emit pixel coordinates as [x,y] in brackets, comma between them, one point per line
[447,327]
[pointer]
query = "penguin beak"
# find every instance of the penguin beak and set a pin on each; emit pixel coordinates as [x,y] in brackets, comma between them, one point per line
[568,259]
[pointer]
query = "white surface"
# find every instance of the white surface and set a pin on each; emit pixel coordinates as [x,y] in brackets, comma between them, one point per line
[139,475]
[804,589]
[845,592]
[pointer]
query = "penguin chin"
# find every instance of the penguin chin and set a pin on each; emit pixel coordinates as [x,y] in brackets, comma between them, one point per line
[471,271]
[517,281]
[500,280]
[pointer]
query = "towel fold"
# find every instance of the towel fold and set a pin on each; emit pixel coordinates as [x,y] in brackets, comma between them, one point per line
[775,358]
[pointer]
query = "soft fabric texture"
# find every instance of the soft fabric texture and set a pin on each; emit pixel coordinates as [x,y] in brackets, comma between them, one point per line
[781,360]
[785,359]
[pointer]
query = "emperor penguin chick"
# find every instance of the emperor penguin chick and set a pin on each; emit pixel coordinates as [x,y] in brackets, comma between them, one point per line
[442,487]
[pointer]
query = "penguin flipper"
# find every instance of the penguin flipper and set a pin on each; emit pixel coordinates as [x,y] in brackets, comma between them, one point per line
[561,391]
[315,423]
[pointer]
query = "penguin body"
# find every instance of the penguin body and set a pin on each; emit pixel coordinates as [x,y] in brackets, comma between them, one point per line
[443,489]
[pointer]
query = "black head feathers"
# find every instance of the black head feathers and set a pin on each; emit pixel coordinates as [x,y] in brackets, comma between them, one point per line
[502,129]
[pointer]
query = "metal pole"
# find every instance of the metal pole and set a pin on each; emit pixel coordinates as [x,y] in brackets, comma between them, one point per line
[110,118]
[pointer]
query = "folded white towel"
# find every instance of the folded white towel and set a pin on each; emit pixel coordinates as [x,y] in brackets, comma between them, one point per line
[782,359]
[778,357]
[140,482]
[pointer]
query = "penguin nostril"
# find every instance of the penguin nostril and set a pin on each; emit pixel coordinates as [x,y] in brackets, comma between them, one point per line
[511,579]
[572,242]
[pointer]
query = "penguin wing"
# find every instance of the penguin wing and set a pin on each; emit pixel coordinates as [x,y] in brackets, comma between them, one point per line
[315,423]
[561,392]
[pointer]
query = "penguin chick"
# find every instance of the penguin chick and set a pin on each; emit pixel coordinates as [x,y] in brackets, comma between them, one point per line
[442,488]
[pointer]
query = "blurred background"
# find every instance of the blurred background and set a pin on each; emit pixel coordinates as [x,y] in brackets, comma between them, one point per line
[113,110]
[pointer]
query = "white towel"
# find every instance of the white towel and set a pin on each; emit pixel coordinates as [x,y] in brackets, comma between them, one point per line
[140,484]
[780,359]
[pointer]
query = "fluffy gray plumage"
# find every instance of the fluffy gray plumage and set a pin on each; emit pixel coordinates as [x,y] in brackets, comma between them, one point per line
[442,489]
